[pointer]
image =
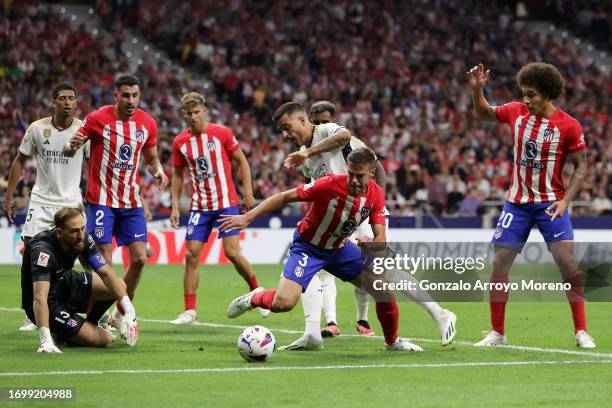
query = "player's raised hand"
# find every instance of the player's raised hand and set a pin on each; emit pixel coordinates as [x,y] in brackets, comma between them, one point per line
[556,209]
[9,210]
[477,76]
[295,159]
[175,216]
[48,347]
[233,222]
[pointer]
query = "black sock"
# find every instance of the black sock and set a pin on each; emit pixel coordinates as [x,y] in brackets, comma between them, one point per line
[98,309]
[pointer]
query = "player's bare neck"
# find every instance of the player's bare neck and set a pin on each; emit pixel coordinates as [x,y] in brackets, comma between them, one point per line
[549,110]
[310,135]
[121,116]
[61,122]
[199,129]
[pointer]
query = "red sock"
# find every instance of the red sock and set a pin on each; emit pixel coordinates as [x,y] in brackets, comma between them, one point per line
[264,299]
[388,316]
[252,282]
[190,301]
[497,305]
[118,305]
[576,300]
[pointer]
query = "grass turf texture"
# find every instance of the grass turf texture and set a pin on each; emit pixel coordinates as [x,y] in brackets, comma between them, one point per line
[440,376]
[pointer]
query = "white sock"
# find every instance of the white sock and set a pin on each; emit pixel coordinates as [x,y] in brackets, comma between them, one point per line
[419,296]
[328,287]
[362,299]
[312,302]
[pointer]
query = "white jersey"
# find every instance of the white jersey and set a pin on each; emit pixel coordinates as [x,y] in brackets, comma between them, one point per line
[333,162]
[58,176]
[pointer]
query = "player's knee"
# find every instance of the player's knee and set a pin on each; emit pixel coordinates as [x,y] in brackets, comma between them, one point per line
[192,257]
[282,304]
[138,262]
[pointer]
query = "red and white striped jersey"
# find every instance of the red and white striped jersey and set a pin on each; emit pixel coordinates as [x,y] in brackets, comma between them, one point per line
[334,213]
[115,153]
[541,146]
[207,157]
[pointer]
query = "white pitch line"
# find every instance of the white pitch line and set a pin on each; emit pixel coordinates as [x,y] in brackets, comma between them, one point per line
[458,342]
[300,368]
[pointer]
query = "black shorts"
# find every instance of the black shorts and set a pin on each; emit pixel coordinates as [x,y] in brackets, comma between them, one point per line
[69,297]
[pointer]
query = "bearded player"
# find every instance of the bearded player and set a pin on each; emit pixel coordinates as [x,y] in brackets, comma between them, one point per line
[118,134]
[339,204]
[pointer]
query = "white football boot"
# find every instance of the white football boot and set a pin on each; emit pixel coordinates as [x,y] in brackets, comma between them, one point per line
[306,342]
[402,344]
[447,325]
[187,317]
[492,338]
[583,340]
[242,304]
[27,325]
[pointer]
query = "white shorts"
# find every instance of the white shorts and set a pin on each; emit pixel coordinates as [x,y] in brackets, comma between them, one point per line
[38,219]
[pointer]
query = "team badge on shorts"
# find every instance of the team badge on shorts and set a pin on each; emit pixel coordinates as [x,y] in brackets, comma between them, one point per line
[299,271]
[498,233]
[99,232]
[71,322]
[190,230]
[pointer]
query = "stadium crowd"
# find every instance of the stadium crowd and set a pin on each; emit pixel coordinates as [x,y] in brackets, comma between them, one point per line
[395,72]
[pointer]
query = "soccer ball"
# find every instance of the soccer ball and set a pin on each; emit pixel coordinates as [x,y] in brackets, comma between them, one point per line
[256,344]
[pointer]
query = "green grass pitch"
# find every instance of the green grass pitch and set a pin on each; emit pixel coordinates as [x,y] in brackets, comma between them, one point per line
[199,365]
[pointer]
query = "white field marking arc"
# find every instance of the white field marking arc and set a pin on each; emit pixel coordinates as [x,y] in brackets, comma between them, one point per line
[302,368]
[458,342]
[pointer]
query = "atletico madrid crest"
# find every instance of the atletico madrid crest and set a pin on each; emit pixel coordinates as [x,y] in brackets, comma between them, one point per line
[99,232]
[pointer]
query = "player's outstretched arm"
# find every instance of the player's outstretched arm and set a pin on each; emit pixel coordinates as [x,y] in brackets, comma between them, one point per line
[41,313]
[248,201]
[14,176]
[277,201]
[477,77]
[334,142]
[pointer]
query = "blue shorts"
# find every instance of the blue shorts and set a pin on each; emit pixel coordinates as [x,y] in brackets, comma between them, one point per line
[305,260]
[516,221]
[127,225]
[201,224]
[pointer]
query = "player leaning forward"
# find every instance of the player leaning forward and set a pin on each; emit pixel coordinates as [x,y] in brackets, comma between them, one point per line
[339,204]
[58,293]
[206,150]
[58,177]
[325,148]
[118,134]
[544,136]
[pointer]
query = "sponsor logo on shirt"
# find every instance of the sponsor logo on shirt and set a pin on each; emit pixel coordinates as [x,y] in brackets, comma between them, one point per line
[43,259]
[533,165]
